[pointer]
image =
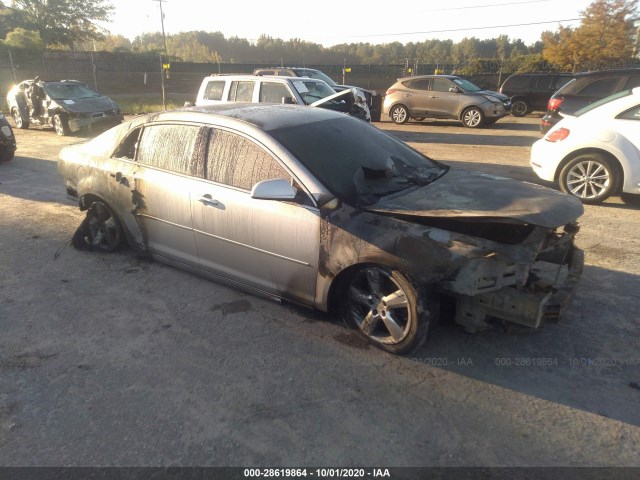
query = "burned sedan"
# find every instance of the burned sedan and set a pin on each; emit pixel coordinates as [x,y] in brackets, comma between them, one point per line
[67,106]
[327,211]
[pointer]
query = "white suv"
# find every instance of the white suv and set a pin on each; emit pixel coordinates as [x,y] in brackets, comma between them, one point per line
[276,89]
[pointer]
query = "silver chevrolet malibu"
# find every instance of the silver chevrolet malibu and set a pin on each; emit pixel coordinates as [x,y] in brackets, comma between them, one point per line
[327,211]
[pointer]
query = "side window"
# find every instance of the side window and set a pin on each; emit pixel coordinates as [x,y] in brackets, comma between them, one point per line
[600,88]
[127,148]
[239,162]
[272,92]
[241,91]
[631,114]
[213,90]
[441,85]
[420,84]
[168,146]
[633,82]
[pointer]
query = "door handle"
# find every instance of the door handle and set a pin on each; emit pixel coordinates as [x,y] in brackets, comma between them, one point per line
[207,199]
[433,96]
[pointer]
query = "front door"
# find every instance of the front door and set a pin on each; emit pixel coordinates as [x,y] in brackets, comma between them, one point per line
[269,245]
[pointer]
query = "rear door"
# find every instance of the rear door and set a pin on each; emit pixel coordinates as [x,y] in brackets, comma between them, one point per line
[269,245]
[165,178]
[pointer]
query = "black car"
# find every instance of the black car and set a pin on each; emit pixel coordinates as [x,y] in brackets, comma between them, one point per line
[374,101]
[66,105]
[7,140]
[585,89]
[531,91]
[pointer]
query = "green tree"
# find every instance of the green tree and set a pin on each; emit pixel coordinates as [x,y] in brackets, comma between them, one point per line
[606,34]
[64,22]
[21,38]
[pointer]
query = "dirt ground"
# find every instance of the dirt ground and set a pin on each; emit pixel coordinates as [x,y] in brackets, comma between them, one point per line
[111,360]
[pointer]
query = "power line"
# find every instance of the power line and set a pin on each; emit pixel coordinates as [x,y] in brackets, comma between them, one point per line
[488,5]
[459,29]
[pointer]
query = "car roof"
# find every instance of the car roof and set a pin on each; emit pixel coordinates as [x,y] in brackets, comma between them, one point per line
[265,116]
[606,73]
[248,76]
[414,77]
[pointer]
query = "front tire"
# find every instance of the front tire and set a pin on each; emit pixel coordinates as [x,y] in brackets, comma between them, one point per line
[473,118]
[399,114]
[386,309]
[61,125]
[20,122]
[519,108]
[591,177]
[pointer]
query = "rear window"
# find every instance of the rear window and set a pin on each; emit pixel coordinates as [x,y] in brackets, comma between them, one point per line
[600,88]
[603,101]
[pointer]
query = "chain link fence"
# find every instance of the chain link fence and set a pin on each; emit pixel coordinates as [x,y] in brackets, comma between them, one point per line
[140,75]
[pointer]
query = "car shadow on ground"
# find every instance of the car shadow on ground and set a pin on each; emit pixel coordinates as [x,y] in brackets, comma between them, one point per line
[596,343]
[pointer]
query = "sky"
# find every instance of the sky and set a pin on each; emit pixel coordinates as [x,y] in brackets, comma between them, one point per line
[329,22]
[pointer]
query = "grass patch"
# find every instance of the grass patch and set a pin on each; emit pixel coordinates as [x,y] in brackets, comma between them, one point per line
[138,104]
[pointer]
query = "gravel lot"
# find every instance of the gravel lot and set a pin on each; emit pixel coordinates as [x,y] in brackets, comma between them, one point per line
[111,360]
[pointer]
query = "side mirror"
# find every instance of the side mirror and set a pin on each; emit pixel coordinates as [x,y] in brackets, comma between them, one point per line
[189,104]
[454,90]
[288,100]
[274,189]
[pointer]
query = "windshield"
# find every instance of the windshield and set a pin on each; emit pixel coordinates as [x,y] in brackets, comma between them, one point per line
[602,101]
[466,85]
[355,161]
[312,90]
[69,91]
[317,74]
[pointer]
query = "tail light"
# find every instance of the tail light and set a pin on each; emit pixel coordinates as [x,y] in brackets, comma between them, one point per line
[390,91]
[557,135]
[554,103]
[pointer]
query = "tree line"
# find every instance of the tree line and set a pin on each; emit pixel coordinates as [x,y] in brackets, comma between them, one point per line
[607,35]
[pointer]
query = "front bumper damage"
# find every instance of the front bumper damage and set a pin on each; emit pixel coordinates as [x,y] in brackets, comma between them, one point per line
[541,292]
[94,121]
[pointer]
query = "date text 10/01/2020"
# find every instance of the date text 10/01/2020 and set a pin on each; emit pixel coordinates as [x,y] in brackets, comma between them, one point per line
[317,472]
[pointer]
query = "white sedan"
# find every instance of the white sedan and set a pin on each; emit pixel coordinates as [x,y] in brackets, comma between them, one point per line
[595,153]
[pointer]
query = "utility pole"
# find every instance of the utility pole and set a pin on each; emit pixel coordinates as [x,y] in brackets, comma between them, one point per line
[164,41]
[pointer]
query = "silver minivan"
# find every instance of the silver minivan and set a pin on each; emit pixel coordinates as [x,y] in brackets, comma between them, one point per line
[446,97]
[278,89]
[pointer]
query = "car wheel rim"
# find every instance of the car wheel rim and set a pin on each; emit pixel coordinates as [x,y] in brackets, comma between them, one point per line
[379,306]
[399,115]
[472,117]
[588,179]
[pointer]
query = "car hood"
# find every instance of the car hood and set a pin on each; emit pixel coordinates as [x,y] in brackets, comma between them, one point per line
[463,194]
[86,105]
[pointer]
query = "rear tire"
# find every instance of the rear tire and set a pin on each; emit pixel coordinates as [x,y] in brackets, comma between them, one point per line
[591,177]
[399,114]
